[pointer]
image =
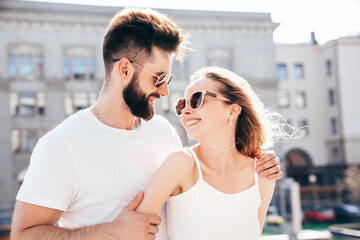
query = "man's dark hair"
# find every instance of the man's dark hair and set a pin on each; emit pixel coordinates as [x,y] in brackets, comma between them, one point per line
[133,32]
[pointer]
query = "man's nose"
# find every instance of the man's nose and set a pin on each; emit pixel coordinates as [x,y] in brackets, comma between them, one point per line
[164,90]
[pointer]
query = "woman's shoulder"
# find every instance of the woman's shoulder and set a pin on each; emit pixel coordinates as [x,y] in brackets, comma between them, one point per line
[246,162]
[181,159]
[180,153]
[266,186]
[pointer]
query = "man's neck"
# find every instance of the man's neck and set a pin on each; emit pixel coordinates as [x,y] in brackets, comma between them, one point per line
[114,113]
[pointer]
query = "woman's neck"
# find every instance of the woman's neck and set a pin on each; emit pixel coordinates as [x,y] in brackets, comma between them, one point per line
[220,162]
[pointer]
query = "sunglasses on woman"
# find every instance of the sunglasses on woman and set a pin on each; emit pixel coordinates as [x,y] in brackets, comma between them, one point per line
[196,100]
[159,79]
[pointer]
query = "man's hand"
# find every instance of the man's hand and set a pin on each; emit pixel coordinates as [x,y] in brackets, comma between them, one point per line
[130,224]
[268,165]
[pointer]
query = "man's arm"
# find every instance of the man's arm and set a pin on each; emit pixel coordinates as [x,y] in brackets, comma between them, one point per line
[268,165]
[36,222]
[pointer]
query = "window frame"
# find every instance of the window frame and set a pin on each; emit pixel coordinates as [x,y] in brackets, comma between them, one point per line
[285,71]
[296,65]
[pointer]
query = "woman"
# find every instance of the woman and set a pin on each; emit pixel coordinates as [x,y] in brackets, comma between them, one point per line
[212,190]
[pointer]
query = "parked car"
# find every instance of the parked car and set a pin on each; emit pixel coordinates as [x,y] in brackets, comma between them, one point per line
[273,217]
[322,214]
[347,213]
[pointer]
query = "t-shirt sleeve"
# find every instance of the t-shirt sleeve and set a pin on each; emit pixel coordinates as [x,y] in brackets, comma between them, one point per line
[51,180]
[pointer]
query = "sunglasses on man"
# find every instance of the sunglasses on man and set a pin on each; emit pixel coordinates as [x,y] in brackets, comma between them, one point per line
[159,79]
[196,100]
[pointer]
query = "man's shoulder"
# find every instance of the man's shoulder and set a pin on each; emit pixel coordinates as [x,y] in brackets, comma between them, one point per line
[75,122]
[70,127]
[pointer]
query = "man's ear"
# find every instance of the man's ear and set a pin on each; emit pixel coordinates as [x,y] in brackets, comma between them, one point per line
[124,69]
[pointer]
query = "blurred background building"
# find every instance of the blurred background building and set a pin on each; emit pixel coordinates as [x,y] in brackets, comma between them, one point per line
[52,67]
[318,90]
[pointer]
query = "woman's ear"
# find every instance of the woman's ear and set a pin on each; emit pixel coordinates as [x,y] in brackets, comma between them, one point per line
[235,111]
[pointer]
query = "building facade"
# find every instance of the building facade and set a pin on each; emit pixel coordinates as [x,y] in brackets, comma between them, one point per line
[52,67]
[318,91]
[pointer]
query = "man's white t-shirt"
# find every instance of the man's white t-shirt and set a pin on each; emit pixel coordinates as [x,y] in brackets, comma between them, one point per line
[91,171]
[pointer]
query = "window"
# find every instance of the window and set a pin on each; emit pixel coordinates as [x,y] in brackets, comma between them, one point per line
[331,97]
[336,155]
[299,71]
[300,100]
[79,63]
[333,126]
[283,99]
[23,141]
[25,61]
[329,69]
[12,67]
[79,68]
[40,97]
[26,66]
[27,104]
[40,66]
[281,71]
[303,127]
[92,68]
[79,100]
[221,57]
[66,67]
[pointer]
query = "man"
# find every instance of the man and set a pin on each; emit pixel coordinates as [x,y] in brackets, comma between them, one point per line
[84,173]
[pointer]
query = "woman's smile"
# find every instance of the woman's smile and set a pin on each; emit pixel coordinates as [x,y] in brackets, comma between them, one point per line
[191,121]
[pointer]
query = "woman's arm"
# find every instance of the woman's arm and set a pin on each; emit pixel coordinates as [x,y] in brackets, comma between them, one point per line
[266,187]
[167,181]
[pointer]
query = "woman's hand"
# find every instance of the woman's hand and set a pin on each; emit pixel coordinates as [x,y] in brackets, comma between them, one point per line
[268,165]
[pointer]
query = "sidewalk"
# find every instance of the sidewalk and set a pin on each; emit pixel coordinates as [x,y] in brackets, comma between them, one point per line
[303,235]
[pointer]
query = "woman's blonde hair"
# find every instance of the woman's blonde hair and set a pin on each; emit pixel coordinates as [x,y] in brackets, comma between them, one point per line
[255,126]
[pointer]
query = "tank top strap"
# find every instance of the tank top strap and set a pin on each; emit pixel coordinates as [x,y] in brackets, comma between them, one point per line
[193,154]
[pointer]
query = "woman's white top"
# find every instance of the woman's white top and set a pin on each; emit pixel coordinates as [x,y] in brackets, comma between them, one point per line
[204,213]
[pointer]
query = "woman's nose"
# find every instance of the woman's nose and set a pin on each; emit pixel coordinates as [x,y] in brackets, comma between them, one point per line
[187,109]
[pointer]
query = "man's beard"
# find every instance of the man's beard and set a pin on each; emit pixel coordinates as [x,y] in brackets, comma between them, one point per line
[137,101]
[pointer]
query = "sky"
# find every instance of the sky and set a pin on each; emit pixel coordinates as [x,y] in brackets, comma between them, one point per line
[329,19]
